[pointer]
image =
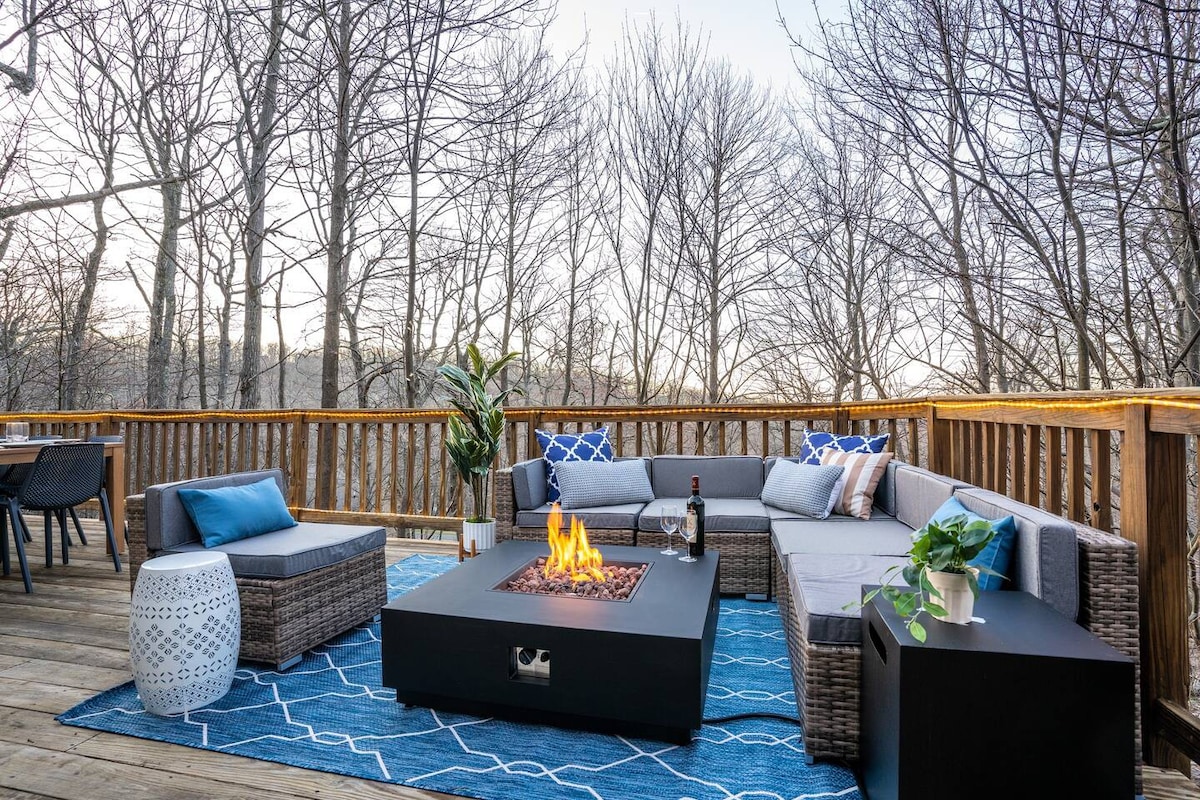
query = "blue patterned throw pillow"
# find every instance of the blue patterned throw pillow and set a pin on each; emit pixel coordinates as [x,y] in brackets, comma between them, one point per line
[814,441]
[556,447]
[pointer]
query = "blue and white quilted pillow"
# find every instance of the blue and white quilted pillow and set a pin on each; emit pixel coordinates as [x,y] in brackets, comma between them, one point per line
[814,441]
[556,447]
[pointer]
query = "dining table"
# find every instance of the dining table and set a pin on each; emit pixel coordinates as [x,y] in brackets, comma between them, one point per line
[114,472]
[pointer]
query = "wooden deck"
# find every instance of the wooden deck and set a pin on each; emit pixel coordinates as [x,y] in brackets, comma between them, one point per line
[68,640]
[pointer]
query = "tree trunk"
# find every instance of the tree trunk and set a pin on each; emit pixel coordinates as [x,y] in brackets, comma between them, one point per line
[334,260]
[162,301]
[410,307]
[83,311]
[281,388]
[256,199]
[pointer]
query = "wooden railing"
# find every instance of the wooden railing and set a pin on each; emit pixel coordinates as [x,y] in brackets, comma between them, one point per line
[1122,462]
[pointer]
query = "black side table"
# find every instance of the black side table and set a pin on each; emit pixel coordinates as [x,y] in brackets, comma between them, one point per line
[1028,704]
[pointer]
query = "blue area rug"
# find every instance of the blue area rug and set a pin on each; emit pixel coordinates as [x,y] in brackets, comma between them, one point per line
[330,713]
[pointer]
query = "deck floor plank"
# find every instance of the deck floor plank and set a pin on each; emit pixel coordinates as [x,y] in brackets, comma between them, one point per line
[68,640]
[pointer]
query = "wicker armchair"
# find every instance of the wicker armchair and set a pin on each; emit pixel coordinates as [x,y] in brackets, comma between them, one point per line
[284,617]
[827,676]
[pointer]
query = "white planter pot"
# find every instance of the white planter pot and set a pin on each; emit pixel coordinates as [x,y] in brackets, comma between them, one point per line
[956,594]
[483,534]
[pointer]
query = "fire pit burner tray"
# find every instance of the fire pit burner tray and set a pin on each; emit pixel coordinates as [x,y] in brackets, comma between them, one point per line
[639,667]
[519,571]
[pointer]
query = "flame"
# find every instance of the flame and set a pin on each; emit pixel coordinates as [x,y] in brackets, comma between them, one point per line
[571,553]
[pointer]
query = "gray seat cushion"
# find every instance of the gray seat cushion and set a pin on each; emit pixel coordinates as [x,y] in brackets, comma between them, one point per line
[720,476]
[294,551]
[841,535]
[823,585]
[1045,561]
[167,522]
[721,514]
[622,517]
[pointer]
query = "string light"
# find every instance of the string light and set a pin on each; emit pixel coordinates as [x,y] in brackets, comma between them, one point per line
[737,414]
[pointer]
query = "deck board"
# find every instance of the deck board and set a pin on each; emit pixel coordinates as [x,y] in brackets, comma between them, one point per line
[67,641]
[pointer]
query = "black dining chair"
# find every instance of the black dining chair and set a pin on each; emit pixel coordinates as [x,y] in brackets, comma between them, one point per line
[62,476]
[11,478]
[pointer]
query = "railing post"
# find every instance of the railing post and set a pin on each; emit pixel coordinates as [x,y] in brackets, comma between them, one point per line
[937,432]
[841,421]
[1154,515]
[299,465]
[327,458]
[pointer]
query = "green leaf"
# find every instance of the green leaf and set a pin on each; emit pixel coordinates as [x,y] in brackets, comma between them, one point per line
[936,610]
[475,432]
[906,603]
[917,630]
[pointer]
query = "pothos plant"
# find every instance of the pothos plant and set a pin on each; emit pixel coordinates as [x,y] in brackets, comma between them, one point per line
[945,546]
[474,434]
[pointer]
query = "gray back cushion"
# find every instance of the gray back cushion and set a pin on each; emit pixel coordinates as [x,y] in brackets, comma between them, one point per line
[1046,556]
[529,483]
[720,476]
[167,522]
[803,488]
[885,492]
[590,484]
[918,493]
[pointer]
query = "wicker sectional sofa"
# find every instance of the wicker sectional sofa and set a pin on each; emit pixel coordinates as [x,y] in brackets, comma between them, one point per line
[298,587]
[815,567]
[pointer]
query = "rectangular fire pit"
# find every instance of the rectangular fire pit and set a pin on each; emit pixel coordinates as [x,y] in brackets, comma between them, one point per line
[638,666]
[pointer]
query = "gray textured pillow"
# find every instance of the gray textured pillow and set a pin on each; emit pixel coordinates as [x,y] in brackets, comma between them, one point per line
[586,484]
[807,489]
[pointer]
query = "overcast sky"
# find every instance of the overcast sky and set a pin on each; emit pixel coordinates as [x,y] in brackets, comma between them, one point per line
[747,32]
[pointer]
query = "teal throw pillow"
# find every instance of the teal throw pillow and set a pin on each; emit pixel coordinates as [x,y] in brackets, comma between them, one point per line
[998,553]
[231,513]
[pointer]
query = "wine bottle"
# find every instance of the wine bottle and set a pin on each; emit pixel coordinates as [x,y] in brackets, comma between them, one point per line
[695,513]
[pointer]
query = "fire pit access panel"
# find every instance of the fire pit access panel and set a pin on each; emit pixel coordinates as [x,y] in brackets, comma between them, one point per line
[639,667]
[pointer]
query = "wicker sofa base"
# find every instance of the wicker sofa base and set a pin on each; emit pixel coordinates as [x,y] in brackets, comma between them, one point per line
[745,558]
[283,617]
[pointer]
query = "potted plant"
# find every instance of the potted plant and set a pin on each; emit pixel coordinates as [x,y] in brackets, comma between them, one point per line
[473,436]
[944,583]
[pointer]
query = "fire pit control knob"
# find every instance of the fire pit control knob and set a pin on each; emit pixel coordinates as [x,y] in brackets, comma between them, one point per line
[530,662]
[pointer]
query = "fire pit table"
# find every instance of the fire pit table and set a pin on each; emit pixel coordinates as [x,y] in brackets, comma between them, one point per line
[637,666]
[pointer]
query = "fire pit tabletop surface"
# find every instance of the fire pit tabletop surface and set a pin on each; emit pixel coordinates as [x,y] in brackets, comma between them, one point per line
[661,609]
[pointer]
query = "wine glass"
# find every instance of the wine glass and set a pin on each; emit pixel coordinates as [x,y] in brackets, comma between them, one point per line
[17,431]
[670,523]
[688,529]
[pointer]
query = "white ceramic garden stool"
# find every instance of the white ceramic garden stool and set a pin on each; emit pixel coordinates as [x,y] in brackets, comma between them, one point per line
[185,629]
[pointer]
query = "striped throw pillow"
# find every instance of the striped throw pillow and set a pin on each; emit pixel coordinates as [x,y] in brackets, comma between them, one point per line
[862,471]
